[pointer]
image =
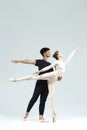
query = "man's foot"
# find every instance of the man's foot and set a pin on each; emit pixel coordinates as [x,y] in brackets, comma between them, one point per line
[25,116]
[44,121]
[13,79]
[41,117]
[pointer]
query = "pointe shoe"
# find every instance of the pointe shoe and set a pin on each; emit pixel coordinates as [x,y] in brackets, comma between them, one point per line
[13,79]
[54,117]
[25,116]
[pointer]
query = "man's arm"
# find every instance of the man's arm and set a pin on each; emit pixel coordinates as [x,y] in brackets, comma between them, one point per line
[25,61]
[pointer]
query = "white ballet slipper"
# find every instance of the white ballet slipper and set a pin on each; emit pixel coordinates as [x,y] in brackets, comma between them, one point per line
[54,117]
[13,79]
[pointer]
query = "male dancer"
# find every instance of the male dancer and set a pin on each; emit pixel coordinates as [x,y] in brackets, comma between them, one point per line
[41,87]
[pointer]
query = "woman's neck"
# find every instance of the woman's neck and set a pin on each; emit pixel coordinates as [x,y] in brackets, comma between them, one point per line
[60,59]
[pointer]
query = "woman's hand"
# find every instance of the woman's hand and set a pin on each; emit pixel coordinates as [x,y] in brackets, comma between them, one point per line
[37,73]
[76,48]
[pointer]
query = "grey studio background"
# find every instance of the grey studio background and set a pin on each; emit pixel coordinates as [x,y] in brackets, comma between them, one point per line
[25,27]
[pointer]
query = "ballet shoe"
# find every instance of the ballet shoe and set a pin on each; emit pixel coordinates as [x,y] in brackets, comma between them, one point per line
[13,79]
[54,117]
[25,116]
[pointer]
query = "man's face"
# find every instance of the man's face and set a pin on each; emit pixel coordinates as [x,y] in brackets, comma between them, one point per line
[47,53]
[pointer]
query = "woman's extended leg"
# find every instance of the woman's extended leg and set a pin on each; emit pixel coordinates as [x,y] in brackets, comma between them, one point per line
[46,76]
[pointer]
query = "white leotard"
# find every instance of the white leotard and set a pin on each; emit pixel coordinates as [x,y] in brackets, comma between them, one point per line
[59,65]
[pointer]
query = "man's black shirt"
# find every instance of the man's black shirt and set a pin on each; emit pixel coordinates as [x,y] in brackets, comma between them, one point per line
[40,63]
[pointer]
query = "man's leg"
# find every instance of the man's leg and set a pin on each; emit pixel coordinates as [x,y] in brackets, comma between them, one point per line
[43,99]
[32,101]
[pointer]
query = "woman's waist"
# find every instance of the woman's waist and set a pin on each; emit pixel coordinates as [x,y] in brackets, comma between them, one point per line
[59,72]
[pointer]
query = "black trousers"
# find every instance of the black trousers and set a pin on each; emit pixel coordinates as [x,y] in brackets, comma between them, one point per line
[41,89]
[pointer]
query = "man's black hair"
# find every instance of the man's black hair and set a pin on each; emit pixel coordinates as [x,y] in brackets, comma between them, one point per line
[43,50]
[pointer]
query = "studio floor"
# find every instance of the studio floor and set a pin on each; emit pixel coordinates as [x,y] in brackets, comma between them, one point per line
[15,123]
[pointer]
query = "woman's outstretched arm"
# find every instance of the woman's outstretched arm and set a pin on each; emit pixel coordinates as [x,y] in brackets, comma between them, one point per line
[71,55]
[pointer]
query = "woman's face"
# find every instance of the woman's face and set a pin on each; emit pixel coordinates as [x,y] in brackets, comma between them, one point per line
[60,55]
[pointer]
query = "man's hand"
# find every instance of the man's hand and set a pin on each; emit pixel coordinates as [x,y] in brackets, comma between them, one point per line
[60,74]
[59,78]
[15,61]
[25,61]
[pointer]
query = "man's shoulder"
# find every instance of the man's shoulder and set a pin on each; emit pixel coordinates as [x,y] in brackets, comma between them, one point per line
[41,60]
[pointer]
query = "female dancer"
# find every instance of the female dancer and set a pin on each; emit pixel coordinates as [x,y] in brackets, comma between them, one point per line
[51,77]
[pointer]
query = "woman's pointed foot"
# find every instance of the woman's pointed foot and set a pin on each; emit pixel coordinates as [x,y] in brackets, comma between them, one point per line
[54,117]
[13,79]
